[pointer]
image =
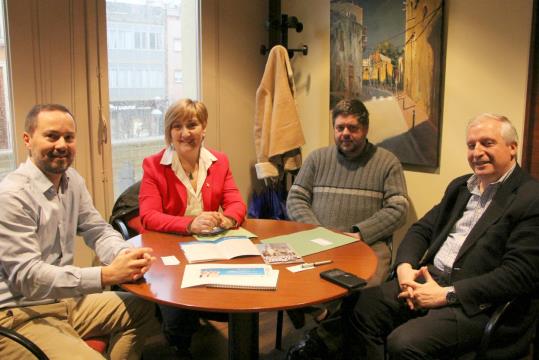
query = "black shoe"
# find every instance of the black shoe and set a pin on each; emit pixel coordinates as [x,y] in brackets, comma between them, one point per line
[182,354]
[180,346]
[310,348]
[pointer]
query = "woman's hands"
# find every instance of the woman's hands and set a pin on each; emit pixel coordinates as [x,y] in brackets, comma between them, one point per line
[226,222]
[208,220]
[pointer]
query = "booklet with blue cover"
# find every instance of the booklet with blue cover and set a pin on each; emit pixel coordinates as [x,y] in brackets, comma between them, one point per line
[214,271]
[233,276]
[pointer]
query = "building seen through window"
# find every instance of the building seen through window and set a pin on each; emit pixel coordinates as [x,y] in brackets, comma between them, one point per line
[7,153]
[146,74]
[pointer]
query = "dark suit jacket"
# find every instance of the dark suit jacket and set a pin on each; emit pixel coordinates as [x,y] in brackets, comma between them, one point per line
[499,259]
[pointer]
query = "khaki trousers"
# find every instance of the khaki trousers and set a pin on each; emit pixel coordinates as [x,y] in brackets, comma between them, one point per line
[59,328]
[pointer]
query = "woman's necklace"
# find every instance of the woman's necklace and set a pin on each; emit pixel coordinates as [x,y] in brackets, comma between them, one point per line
[190,174]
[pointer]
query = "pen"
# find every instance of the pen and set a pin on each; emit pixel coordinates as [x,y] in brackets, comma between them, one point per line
[317,263]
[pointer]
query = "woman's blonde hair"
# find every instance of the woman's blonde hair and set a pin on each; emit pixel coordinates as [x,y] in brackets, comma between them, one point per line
[183,110]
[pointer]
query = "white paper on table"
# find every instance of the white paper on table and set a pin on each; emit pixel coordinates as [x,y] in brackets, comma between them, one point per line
[170,260]
[322,242]
[298,268]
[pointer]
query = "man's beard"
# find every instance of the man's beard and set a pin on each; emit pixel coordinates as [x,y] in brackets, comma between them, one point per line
[353,148]
[57,167]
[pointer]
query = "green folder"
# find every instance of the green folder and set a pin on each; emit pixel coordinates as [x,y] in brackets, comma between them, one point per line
[228,233]
[312,241]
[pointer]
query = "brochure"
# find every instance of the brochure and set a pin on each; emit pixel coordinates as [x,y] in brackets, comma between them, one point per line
[278,253]
[239,232]
[224,249]
[233,276]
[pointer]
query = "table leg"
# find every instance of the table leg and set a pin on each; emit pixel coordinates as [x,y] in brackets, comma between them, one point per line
[242,336]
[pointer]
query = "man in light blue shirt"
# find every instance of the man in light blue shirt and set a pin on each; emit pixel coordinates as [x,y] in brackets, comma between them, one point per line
[43,296]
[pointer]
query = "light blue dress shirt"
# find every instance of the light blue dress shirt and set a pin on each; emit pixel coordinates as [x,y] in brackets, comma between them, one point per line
[475,208]
[37,238]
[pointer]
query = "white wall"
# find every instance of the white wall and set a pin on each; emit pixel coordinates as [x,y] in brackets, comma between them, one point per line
[487,54]
[232,33]
[311,72]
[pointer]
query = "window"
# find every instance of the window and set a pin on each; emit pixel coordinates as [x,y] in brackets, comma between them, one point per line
[140,40]
[178,76]
[145,77]
[155,41]
[113,78]
[7,150]
[177,45]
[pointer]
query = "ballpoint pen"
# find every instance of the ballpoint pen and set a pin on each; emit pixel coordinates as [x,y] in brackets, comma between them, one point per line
[317,263]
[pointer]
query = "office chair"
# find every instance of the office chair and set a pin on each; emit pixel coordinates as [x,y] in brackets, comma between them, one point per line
[99,344]
[24,341]
[495,346]
[125,213]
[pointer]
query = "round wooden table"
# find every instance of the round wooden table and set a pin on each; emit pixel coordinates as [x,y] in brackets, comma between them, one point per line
[294,290]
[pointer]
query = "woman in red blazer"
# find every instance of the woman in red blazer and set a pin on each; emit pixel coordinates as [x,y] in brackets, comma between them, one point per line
[185,184]
[182,190]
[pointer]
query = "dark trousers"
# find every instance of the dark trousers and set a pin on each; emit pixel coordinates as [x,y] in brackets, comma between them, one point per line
[179,325]
[379,321]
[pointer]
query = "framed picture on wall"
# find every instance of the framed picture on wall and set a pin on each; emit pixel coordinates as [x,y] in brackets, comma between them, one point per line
[388,53]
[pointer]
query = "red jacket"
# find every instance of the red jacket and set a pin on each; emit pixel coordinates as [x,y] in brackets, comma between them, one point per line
[163,198]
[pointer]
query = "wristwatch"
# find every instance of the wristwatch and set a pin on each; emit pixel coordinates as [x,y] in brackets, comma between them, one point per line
[451,296]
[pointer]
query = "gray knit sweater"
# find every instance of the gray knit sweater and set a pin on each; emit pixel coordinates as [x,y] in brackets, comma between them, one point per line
[366,194]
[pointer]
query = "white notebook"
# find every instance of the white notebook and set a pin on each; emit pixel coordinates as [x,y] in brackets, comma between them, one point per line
[233,276]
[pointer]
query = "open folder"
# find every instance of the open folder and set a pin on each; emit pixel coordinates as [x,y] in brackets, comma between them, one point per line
[224,249]
[312,241]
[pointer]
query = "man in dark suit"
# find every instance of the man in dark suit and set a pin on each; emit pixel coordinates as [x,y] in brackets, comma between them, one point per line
[476,249]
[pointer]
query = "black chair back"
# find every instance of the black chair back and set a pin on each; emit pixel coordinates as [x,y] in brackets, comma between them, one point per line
[125,208]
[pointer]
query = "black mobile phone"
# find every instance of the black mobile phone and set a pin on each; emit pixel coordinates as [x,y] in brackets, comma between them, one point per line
[343,278]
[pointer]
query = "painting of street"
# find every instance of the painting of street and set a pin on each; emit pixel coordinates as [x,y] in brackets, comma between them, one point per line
[388,53]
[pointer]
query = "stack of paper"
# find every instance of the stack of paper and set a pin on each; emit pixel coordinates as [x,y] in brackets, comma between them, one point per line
[239,232]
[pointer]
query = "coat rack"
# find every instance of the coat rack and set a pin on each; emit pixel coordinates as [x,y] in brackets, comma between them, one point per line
[278,25]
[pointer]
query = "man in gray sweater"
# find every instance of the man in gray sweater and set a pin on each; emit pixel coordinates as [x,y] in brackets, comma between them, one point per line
[355,187]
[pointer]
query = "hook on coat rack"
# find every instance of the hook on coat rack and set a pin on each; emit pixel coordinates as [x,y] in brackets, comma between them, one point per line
[277,26]
[304,50]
